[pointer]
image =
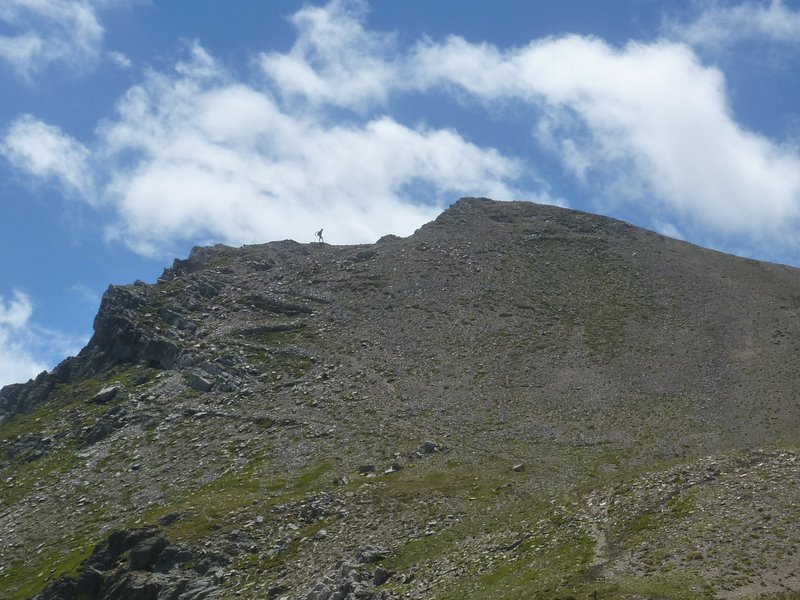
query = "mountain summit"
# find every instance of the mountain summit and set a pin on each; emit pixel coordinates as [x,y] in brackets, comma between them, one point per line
[517,401]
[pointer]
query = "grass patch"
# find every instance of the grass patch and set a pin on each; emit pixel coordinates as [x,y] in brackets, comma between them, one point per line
[547,567]
[21,582]
[26,424]
[210,507]
[682,507]
[274,306]
[641,523]
[279,363]
[274,336]
[677,586]
[26,475]
[72,400]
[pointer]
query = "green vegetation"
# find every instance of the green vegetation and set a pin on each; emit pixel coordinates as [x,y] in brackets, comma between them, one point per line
[22,582]
[70,401]
[279,363]
[209,507]
[22,424]
[275,306]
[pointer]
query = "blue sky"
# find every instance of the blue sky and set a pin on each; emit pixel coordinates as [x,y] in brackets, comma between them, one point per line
[132,130]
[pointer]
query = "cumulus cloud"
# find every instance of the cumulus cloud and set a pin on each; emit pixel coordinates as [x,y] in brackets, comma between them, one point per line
[15,313]
[647,119]
[195,154]
[45,151]
[721,25]
[646,123]
[334,59]
[49,31]
[17,362]
[27,349]
[204,157]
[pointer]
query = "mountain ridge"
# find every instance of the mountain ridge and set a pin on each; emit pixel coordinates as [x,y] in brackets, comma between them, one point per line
[450,409]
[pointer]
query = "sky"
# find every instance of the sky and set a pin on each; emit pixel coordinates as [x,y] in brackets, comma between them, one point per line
[133,130]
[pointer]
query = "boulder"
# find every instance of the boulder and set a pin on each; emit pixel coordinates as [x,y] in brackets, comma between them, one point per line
[425,449]
[106,395]
[199,383]
[144,555]
[371,554]
[171,557]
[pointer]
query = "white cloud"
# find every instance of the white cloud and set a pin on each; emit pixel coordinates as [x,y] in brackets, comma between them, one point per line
[21,50]
[214,159]
[195,155]
[722,25]
[45,32]
[47,152]
[335,60]
[649,120]
[17,362]
[199,156]
[27,349]
[119,59]
[15,313]
[647,123]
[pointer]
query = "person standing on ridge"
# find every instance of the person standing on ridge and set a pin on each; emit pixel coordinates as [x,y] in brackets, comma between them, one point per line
[319,235]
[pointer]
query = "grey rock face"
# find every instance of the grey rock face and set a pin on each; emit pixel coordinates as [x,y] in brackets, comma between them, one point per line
[22,398]
[371,554]
[171,557]
[199,383]
[118,335]
[350,579]
[145,554]
[106,394]
[153,572]
[62,589]
[111,421]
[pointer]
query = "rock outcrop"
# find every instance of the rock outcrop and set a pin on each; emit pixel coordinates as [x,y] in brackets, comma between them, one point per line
[154,570]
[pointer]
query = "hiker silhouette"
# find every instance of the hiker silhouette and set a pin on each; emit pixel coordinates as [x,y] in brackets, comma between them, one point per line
[319,235]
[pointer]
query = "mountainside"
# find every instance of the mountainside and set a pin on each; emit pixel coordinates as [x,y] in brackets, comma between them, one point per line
[517,401]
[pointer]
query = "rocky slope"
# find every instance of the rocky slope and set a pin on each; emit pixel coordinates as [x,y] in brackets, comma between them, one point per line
[518,401]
